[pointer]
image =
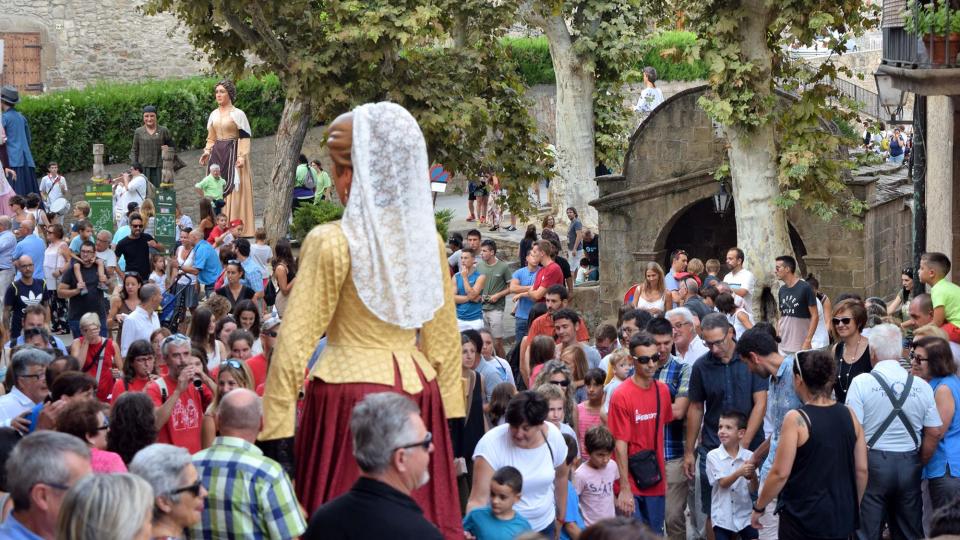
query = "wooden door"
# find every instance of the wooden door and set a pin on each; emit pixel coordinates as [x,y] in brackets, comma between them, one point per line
[21,62]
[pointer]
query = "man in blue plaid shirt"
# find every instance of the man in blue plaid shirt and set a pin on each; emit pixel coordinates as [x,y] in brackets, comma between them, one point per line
[677,377]
[249,494]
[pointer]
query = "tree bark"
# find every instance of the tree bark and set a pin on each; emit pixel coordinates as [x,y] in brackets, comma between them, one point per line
[574,184]
[292,130]
[762,231]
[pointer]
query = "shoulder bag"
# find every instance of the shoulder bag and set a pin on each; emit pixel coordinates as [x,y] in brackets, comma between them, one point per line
[644,466]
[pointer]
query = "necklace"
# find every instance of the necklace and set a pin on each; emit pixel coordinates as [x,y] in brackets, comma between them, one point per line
[855,351]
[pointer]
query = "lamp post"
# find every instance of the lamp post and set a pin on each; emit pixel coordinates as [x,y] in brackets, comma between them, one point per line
[721,200]
[891,98]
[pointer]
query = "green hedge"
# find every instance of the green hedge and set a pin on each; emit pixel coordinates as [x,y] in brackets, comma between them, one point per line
[662,51]
[65,125]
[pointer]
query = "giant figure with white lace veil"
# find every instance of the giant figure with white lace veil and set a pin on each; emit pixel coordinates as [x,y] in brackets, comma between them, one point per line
[389,316]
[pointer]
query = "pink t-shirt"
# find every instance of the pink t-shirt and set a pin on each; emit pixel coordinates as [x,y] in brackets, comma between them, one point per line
[585,421]
[104,462]
[595,489]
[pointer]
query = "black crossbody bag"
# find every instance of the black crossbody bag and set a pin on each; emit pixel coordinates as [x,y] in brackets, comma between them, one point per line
[644,466]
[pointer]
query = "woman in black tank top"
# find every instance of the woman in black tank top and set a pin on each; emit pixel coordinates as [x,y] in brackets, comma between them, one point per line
[819,472]
[852,353]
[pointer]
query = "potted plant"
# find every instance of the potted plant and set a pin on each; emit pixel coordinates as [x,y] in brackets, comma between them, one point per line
[939,25]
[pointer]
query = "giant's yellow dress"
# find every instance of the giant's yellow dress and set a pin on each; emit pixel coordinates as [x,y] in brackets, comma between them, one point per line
[361,351]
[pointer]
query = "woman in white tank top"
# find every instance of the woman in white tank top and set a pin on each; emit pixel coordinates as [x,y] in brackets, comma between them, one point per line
[652,295]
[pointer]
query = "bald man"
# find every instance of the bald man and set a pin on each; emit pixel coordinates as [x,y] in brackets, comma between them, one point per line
[24,292]
[31,245]
[233,469]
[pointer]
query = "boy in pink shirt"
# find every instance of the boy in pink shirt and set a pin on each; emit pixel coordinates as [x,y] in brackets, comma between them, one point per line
[594,479]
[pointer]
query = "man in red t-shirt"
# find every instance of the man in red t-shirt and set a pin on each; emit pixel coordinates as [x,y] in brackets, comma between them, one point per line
[549,274]
[179,404]
[637,425]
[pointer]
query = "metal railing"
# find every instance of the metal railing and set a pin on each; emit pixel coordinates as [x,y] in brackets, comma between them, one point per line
[932,51]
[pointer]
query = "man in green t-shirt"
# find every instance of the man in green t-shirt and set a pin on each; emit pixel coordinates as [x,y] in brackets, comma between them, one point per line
[495,290]
[944,294]
[212,187]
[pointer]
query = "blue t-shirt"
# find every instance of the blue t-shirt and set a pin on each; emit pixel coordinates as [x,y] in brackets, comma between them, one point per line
[75,244]
[485,526]
[32,246]
[525,277]
[468,311]
[206,260]
[121,233]
[252,276]
[573,511]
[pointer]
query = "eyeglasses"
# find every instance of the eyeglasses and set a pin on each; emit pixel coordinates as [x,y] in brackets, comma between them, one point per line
[645,359]
[193,488]
[917,359]
[54,485]
[425,443]
[680,325]
[564,383]
[37,376]
[717,343]
[235,364]
[841,320]
[105,426]
[144,358]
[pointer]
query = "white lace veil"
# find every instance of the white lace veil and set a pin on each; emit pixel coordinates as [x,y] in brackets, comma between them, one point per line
[388,220]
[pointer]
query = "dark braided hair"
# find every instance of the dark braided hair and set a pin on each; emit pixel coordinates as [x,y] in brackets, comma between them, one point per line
[231,88]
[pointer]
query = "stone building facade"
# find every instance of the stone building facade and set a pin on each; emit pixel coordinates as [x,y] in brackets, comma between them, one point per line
[53,44]
[663,201]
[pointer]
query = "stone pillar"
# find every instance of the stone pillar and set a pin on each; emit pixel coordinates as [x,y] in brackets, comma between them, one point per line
[166,175]
[98,161]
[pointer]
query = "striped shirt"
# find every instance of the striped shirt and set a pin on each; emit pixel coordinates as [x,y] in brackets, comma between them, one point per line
[677,378]
[249,494]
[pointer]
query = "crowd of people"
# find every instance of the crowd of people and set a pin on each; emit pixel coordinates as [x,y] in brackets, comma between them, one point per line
[382,396]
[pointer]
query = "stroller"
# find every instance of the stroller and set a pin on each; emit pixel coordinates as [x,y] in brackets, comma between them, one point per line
[173,307]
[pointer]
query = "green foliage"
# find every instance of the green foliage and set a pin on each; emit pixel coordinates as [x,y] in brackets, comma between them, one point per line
[308,216]
[930,18]
[744,79]
[665,51]
[443,217]
[64,125]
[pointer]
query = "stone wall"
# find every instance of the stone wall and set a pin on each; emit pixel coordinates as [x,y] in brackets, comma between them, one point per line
[84,41]
[888,242]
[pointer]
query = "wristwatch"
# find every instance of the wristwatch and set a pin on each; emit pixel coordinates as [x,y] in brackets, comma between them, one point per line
[759,510]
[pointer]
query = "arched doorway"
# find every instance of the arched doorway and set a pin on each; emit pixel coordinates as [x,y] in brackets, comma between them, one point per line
[705,235]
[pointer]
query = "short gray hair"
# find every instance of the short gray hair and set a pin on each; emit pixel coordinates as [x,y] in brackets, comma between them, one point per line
[214,166]
[38,459]
[886,342]
[683,313]
[380,424]
[26,357]
[148,291]
[692,286]
[105,507]
[715,320]
[176,340]
[5,223]
[162,466]
[651,73]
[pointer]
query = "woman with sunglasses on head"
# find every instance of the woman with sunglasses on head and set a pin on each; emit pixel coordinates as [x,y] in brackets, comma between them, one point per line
[99,356]
[233,290]
[231,374]
[932,361]
[139,368]
[87,420]
[819,472]
[177,487]
[124,303]
[203,335]
[852,352]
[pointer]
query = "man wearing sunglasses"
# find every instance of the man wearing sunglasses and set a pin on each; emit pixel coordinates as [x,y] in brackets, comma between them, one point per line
[249,495]
[28,367]
[392,447]
[81,301]
[639,409]
[135,249]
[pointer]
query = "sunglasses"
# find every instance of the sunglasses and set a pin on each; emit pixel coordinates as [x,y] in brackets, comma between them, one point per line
[564,383]
[271,333]
[174,337]
[132,273]
[31,332]
[105,426]
[425,443]
[841,320]
[646,359]
[193,488]
[235,364]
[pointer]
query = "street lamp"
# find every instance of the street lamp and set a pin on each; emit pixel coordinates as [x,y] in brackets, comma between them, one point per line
[891,98]
[721,200]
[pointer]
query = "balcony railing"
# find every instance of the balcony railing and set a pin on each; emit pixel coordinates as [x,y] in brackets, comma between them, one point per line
[910,51]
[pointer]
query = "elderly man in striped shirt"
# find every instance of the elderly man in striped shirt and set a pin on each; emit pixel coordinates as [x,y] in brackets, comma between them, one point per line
[249,494]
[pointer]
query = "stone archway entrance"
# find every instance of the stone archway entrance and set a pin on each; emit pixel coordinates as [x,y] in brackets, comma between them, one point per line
[705,235]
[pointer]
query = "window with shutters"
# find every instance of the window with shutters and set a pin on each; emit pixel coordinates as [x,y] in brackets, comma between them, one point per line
[21,62]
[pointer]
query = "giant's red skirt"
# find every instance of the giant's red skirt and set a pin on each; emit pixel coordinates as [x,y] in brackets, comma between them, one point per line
[326,468]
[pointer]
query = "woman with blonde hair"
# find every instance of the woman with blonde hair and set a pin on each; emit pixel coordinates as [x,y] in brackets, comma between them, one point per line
[107,507]
[149,213]
[232,374]
[558,374]
[651,294]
